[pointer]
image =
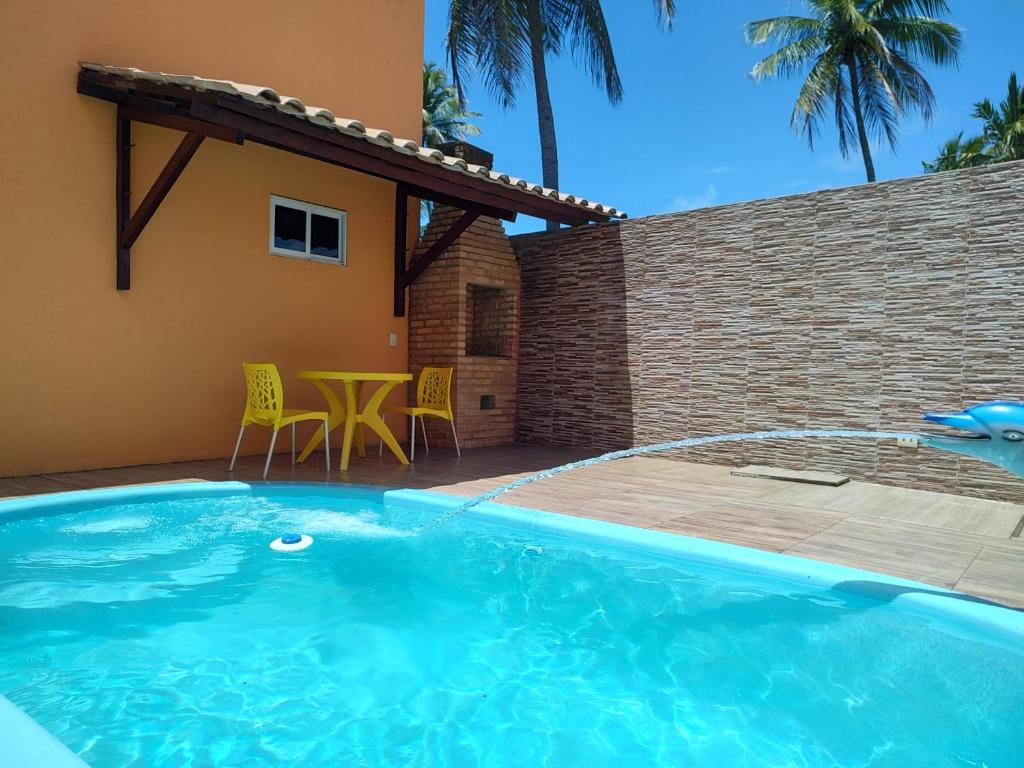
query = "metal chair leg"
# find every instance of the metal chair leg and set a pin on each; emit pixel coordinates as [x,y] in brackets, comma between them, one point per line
[238,444]
[457,451]
[412,439]
[380,443]
[327,445]
[423,426]
[293,442]
[266,467]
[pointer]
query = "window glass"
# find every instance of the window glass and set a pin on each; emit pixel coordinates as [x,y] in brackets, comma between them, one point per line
[290,228]
[325,236]
[308,231]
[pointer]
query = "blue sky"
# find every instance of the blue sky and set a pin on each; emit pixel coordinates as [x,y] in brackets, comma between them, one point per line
[693,130]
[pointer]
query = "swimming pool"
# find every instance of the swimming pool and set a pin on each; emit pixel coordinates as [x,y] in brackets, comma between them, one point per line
[155,627]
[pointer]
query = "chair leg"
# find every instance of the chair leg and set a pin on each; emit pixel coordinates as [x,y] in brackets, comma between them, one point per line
[423,426]
[238,444]
[412,439]
[380,444]
[327,445]
[456,437]
[293,443]
[266,467]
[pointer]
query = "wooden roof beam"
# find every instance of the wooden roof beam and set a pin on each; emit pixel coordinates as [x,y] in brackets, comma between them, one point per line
[298,135]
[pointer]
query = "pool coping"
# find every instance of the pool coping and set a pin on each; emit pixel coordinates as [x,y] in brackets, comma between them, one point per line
[28,745]
[35,747]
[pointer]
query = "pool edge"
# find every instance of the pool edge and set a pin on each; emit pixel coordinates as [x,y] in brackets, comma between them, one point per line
[28,745]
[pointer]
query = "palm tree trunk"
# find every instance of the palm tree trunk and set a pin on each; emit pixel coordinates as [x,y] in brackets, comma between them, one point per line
[865,149]
[545,115]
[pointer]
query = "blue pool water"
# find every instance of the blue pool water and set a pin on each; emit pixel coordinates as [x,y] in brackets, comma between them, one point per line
[167,633]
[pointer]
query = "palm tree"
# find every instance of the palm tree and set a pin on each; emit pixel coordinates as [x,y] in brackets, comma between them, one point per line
[860,61]
[1002,136]
[510,40]
[1004,126]
[959,153]
[445,116]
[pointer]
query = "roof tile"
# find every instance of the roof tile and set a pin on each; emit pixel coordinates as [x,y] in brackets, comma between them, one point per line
[321,116]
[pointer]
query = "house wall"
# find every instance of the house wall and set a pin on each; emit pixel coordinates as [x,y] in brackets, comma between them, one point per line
[92,377]
[855,308]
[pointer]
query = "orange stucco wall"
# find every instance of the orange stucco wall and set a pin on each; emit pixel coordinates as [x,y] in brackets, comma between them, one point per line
[90,377]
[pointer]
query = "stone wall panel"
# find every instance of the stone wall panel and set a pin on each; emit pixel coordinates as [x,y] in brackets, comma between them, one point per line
[852,308]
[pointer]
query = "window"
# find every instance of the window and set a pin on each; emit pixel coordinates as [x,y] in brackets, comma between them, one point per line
[306,231]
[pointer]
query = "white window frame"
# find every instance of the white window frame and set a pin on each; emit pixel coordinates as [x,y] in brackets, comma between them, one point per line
[310,209]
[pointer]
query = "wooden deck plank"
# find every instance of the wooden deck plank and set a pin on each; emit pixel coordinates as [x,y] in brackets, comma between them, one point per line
[754,526]
[931,555]
[961,513]
[997,573]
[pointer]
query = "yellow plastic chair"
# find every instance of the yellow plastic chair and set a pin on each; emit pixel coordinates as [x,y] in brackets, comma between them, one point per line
[264,406]
[433,398]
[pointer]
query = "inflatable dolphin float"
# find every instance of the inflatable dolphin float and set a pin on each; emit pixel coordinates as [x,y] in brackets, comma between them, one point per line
[993,432]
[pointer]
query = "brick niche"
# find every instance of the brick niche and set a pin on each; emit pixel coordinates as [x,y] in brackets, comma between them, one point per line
[464,313]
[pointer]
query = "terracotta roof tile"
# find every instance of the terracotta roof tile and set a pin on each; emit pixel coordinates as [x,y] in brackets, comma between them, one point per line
[325,117]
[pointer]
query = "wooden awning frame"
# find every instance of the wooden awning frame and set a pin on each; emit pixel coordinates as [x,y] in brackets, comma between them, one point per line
[205,114]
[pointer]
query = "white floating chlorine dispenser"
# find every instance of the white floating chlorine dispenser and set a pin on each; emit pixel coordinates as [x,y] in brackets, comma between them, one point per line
[291,542]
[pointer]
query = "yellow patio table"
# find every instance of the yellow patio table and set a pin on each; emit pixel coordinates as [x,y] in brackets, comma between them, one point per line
[349,413]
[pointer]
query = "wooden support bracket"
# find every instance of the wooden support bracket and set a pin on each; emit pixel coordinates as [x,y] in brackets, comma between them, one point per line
[123,200]
[401,242]
[130,226]
[405,275]
[438,247]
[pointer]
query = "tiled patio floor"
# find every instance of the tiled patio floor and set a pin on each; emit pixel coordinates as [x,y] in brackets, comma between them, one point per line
[951,541]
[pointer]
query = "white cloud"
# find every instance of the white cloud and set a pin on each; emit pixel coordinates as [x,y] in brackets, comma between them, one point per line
[719,169]
[700,200]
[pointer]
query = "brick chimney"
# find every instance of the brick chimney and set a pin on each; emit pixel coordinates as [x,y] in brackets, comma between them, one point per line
[464,314]
[469,153]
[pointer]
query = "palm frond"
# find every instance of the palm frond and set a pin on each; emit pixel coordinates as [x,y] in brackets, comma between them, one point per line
[591,43]
[1004,124]
[845,118]
[445,116]
[503,48]
[935,41]
[878,9]
[790,58]
[666,11]
[879,101]
[783,30]
[958,153]
[912,91]
[815,97]
[460,40]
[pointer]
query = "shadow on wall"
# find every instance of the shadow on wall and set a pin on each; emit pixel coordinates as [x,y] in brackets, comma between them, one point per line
[574,375]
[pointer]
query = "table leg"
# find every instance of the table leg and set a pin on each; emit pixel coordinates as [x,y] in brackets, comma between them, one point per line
[351,416]
[371,418]
[336,415]
[360,432]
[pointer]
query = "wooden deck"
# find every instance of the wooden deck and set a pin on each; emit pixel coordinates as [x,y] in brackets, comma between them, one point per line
[971,545]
